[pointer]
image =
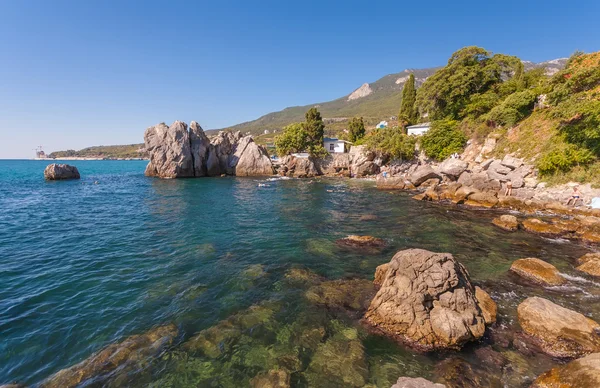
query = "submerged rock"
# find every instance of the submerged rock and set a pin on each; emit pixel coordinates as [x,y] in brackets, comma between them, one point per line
[538,271]
[353,294]
[590,264]
[390,183]
[506,222]
[581,373]
[560,332]
[136,348]
[279,378]
[540,227]
[56,172]
[427,300]
[415,382]
[361,242]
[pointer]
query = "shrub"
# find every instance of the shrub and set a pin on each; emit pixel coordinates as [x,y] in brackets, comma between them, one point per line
[443,139]
[513,109]
[392,142]
[562,157]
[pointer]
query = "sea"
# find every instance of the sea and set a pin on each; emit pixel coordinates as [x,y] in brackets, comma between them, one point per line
[91,262]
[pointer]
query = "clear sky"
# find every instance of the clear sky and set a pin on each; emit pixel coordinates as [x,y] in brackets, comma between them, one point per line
[98,72]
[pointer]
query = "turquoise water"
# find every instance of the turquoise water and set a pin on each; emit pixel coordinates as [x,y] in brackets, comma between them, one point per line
[83,265]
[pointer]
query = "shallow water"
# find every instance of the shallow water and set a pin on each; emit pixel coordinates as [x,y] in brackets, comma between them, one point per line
[83,265]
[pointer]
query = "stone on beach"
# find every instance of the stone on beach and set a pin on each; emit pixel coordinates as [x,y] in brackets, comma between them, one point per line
[581,373]
[506,222]
[590,264]
[421,174]
[427,300]
[415,382]
[538,271]
[559,331]
[55,172]
[453,167]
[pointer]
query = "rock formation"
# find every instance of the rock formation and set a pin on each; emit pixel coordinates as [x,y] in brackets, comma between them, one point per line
[415,382]
[115,356]
[537,271]
[427,300]
[506,222]
[581,373]
[176,152]
[560,332]
[590,264]
[56,172]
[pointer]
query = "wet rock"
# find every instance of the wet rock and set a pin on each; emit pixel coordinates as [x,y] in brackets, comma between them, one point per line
[506,222]
[535,225]
[302,275]
[560,332]
[462,193]
[137,348]
[272,379]
[415,382]
[430,183]
[455,372]
[352,294]
[354,241]
[390,183]
[453,167]
[423,173]
[482,199]
[538,271]
[489,309]
[169,150]
[428,301]
[590,264]
[368,217]
[581,373]
[57,172]
[339,362]
[380,272]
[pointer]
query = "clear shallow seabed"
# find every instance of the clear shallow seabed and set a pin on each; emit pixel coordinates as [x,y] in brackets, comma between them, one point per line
[85,265]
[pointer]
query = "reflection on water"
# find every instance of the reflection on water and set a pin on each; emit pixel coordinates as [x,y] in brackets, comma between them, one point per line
[92,264]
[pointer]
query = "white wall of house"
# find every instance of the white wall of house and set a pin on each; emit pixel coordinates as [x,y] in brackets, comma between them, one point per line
[418,129]
[334,146]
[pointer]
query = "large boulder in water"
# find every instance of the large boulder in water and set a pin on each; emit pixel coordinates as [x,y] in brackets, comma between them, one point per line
[253,161]
[537,271]
[169,150]
[423,173]
[560,332]
[199,147]
[427,300]
[136,348]
[589,263]
[582,373]
[56,172]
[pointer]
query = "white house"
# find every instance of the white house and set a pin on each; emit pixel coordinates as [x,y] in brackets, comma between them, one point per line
[334,145]
[418,129]
[382,124]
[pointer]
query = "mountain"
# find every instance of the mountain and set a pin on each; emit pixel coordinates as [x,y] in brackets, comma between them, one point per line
[376,101]
[130,151]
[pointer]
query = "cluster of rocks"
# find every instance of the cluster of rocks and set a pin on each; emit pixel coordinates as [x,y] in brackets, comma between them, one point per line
[176,152]
[55,172]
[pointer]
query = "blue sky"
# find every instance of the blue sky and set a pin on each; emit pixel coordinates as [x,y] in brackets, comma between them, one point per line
[98,72]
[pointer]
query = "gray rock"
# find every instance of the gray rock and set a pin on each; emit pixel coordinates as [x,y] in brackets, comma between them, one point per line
[497,171]
[427,300]
[511,162]
[415,382]
[169,150]
[423,173]
[453,167]
[199,144]
[254,161]
[57,172]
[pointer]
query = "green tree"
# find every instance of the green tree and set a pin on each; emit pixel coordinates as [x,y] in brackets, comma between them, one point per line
[392,142]
[443,139]
[293,139]
[356,129]
[315,130]
[408,112]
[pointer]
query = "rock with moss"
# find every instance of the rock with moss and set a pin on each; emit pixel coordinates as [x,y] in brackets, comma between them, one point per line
[339,362]
[537,271]
[589,263]
[276,378]
[352,294]
[354,241]
[415,382]
[427,300]
[134,349]
[581,373]
[507,222]
[560,332]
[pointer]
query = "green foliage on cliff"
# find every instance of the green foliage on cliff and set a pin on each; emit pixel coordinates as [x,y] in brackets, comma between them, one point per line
[443,139]
[408,112]
[356,129]
[132,151]
[306,136]
[392,142]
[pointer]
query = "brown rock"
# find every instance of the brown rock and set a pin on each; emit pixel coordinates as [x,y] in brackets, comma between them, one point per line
[380,272]
[487,305]
[590,264]
[560,332]
[415,382]
[361,242]
[428,301]
[538,271]
[506,222]
[462,193]
[57,172]
[540,227]
[272,379]
[423,173]
[134,348]
[581,373]
[390,183]
[482,199]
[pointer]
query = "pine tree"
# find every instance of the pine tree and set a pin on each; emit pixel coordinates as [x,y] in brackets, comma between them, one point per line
[356,129]
[408,112]
[315,129]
